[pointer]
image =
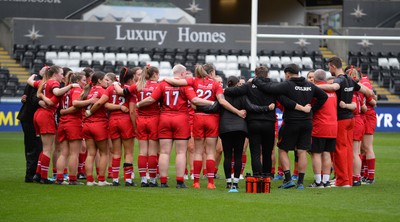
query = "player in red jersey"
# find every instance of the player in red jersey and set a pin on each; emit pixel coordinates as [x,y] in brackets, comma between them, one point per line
[147,123]
[95,129]
[121,125]
[324,134]
[48,90]
[368,157]
[173,123]
[205,126]
[359,128]
[69,132]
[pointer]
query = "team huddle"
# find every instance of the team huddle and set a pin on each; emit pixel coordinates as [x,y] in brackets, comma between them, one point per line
[93,117]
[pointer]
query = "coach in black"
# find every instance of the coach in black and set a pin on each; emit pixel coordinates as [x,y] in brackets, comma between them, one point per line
[295,132]
[261,125]
[32,142]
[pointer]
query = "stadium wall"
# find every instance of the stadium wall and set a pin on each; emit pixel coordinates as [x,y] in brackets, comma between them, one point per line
[388,117]
[206,36]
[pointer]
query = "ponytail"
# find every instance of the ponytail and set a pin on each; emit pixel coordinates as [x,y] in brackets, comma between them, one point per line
[147,73]
[200,72]
[47,75]
[98,75]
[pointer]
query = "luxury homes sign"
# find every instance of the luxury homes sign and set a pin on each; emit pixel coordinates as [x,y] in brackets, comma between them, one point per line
[82,33]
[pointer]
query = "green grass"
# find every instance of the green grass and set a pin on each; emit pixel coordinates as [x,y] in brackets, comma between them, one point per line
[20,201]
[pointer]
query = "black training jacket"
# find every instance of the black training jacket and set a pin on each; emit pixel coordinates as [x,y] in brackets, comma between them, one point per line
[300,91]
[345,94]
[256,97]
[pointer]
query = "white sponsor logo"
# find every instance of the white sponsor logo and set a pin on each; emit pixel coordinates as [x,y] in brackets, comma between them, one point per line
[386,120]
[348,89]
[185,35]
[301,88]
[141,35]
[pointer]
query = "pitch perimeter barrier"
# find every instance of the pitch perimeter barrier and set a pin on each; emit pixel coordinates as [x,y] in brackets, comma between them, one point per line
[388,117]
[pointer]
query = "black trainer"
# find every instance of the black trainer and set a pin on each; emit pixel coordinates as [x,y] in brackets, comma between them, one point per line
[356,183]
[74,182]
[369,181]
[315,185]
[228,185]
[143,184]
[81,176]
[235,185]
[153,184]
[133,184]
[46,181]
[327,184]
[36,178]
[164,185]
[115,183]
[181,186]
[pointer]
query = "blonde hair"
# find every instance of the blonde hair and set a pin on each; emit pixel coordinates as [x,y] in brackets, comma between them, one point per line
[147,73]
[50,71]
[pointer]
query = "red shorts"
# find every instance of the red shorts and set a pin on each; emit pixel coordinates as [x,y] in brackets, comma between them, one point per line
[147,127]
[44,122]
[174,126]
[95,130]
[276,129]
[205,126]
[121,127]
[69,131]
[358,130]
[370,122]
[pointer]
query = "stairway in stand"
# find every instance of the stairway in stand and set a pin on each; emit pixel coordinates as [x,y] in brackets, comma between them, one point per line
[11,64]
[326,53]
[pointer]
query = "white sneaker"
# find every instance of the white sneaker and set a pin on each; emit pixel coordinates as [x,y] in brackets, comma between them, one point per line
[185,177]
[103,183]
[192,177]
[241,177]
[90,184]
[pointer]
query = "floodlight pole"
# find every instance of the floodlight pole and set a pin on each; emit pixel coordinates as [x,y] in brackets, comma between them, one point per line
[254,23]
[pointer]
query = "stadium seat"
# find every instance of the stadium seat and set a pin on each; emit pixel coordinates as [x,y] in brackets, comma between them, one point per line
[307,63]
[144,58]
[51,55]
[165,65]
[77,48]
[394,63]
[231,59]
[383,63]
[264,60]
[101,49]
[63,55]
[18,51]
[384,79]
[99,56]
[234,72]
[27,59]
[112,49]
[275,62]
[154,63]
[73,63]
[89,49]
[232,66]
[54,48]
[210,59]
[221,58]
[110,56]
[121,57]
[274,74]
[40,55]
[86,56]
[75,55]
